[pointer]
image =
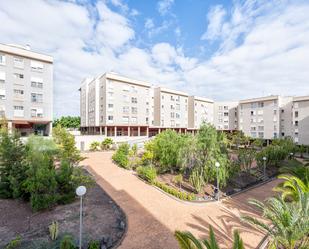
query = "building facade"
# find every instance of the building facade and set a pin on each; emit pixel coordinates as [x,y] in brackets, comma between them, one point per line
[300,117]
[225,116]
[26,89]
[114,105]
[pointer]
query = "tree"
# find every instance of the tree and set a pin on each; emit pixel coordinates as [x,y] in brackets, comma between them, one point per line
[246,157]
[94,146]
[289,189]
[186,240]
[66,144]
[290,221]
[106,143]
[12,165]
[67,122]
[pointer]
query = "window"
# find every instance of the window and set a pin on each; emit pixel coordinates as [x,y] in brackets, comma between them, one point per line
[125,109]
[110,119]
[260,112]
[134,120]
[134,110]
[177,107]
[261,134]
[18,76]
[2,94]
[172,98]
[125,119]
[172,107]
[36,82]
[2,77]
[36,112]
[110,95]
[147,120]
[2,59]
[147,111]
[110,106]
[2,111]
[296,123]
[133,89]
[18,107]
[126,98]
[253,134]
[296,105]
[18,62]
[261,104]
[36,97]
[18,111]
[177,115]
[36,65]
[296,114]
[134,100]
[226,114]
[225,107]
[18,92]
[172,115]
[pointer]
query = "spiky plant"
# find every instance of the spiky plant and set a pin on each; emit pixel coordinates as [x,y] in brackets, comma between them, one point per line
[290,221]
[186,240]
[289,189]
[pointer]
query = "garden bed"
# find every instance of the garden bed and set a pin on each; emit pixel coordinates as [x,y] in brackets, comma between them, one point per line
[103,220]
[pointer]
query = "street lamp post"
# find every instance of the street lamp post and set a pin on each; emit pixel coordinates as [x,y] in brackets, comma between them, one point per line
[264,166]
[81,191]
[291,155]
[217,164]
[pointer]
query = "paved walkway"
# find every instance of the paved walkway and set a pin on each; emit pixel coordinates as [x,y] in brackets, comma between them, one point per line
[153,216]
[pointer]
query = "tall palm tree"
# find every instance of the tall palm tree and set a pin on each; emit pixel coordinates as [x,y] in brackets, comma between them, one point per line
[290,187]
[186,240]
[290,221]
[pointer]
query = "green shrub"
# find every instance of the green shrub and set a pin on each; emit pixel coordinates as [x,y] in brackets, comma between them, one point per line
[94,146]
[121,156]
[179,194]
[147,173]
[178,179]
[12,165]
[67,242]
[106,143]
[94,244]
[15,243]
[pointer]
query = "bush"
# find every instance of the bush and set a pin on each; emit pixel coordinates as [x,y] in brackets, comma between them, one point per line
[179,194]
[94,244]
[15,243]
[67,242]
[106,143]
[12,165]
[147,173]
[121,156]
[94,146]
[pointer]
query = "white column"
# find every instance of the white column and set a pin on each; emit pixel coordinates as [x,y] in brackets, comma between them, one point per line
[147,131]
[100,130]
[138,131]
[159,131]
[10,127]
[115,131]
[129,129]
[105,131]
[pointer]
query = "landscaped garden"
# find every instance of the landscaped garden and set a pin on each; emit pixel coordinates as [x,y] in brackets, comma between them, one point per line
[183,165]
[38,205]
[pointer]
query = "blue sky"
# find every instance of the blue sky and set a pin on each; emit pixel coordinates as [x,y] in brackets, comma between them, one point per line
[225,50]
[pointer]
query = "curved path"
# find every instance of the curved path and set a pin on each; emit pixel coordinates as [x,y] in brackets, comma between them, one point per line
[153,216]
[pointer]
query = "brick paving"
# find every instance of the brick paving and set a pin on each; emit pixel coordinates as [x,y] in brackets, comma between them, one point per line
[153,216]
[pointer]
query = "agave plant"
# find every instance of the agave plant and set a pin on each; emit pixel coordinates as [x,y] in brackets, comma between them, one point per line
[290,221]
[186,240]
[290,187]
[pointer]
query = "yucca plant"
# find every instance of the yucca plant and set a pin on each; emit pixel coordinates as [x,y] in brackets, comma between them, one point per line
[290,187]
[290,221]
[186,240]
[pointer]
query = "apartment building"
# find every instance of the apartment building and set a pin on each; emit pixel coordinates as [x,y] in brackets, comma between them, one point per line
[114,105]
[300,117]
[266,117]
[225,115]
[26,89]
[200,110]
[170,108]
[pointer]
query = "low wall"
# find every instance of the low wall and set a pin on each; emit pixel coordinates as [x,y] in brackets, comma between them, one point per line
[83,142]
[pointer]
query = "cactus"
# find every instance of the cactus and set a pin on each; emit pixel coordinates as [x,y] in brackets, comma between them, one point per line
[53,230]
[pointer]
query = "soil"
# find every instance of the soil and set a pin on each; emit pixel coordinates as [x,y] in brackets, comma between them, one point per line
[102,220]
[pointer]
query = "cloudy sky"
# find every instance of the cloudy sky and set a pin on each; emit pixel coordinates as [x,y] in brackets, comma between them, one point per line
[225,50]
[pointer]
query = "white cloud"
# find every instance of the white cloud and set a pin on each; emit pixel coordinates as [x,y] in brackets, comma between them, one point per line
[149,24]
[164,6]
[215,19]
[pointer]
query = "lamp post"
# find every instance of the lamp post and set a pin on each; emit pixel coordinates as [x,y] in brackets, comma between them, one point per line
[81,191]
[217,164]
[291,155]
[264,165]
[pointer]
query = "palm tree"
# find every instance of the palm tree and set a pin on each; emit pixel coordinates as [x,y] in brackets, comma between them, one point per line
[186,240]
[300,171]
[290,221]
[290,187]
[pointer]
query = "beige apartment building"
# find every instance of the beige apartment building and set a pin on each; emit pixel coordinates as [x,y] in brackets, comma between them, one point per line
[266,117]
[300,116]
[26,89]
[200,110]
[225,116]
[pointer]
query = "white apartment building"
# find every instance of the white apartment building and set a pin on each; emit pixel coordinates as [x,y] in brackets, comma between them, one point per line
[266,117]
[225,115]
[170,108]
[300,116]
[26,89]
[200,110]
[114,105]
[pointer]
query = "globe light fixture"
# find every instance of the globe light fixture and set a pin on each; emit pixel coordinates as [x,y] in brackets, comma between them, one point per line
[80,192]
